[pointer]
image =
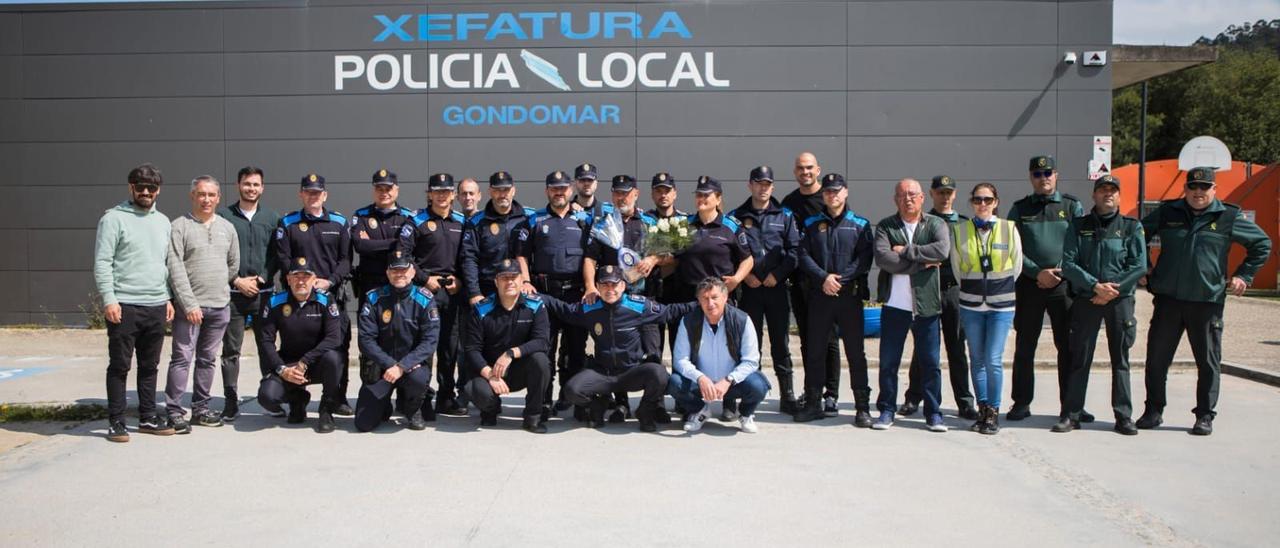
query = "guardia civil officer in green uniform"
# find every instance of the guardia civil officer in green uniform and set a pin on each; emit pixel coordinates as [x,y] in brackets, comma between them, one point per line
[1042,219]
[1103,257]
[1190,284]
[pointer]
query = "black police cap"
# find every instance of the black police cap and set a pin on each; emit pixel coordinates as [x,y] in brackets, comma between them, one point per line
[1106,180]
[943,181]
[585,171]
[301,264]
[608,274]
[507,267]
[707,184]
[312,182]
[501,179]
[441,181]
[833,181]
[1201,175]
[1042,162]
[624,183]
[663,178]
[557,178]
[385,178]
[399,260]
[762,173]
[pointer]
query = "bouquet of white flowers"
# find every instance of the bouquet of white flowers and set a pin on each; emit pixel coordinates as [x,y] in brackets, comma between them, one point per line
[669,236]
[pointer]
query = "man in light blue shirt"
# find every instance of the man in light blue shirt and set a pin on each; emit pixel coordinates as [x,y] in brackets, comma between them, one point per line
[724,366]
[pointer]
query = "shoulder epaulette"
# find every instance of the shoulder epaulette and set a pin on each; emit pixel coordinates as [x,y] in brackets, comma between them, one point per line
[373,295]
[813,219]
[533,302]
[857,219]
[529,211]
[337,218]
[362,212]
[633,303]
[291,219]
[457,217]
[731,222]
[1066,196]
[279,298]
[420,217]
[787,211]
[593,306]
[475,219]
[484,307]
[422,297]
[406,212]
[321,296]
[648,219]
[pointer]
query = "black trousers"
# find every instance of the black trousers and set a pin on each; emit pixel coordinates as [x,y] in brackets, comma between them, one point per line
[141,329]
[1086,317]
[800,304]
[531,373]
[327,371]
[448,377]
[344,349]
[568,343]
[1028,320]
[650,377]
[957,360]
[412,389]
[771,305]
[1202,323]
[845,312]
[243,310]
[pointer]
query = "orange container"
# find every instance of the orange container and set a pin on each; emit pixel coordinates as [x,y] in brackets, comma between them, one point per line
[1258,195]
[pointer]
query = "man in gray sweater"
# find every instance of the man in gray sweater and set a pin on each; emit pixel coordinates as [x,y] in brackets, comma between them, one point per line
[204,258]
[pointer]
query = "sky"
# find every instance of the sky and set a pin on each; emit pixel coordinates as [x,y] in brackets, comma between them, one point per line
[1181,22]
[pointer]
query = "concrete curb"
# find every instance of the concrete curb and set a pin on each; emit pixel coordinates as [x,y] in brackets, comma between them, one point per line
[1250,373]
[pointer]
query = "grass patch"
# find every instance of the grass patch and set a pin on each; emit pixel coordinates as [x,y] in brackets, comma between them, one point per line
[78,412]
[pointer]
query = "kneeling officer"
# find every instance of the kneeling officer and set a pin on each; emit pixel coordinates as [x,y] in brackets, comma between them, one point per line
[399,329]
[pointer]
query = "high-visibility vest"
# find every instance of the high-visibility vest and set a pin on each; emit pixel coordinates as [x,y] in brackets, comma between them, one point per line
[994,288]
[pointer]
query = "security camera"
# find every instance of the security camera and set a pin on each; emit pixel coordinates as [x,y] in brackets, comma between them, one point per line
[1069,58]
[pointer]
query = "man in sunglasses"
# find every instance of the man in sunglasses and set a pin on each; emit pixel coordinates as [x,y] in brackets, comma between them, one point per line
[1190,284]
[129,269]
[1042,219]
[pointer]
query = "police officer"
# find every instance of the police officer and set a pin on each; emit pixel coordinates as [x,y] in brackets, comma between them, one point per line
[805,202]
[943,193]
[1042,218]
[307,322]
[375,231]
[433,239]
[584,186]
[552,257]
[1103,257]
[399,330]
[719,248]
[662,283]
[1190,285]
[618,364]
[493,235]
[773,239]
[321,236]
[506,350]
[635,227]
[835,253]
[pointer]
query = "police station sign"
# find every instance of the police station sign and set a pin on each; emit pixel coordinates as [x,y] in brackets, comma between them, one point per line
[444,66]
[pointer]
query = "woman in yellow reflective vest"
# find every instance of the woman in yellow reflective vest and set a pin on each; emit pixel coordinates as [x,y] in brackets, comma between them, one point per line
[986,255]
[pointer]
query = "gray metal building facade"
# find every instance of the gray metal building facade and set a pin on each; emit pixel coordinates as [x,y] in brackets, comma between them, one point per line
[879,90]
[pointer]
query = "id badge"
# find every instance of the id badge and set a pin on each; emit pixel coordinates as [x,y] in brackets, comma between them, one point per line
[985,261]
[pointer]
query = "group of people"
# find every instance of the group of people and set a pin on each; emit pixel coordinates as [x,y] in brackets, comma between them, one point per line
[501,298]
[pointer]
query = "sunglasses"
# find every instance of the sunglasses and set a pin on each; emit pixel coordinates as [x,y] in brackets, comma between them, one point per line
[982,200]
[1199,186]
[1042,173]
[145,188]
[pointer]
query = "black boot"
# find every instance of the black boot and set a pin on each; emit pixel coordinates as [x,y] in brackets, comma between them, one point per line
[298,408]
[1151,418]
[535,424]
[980,421]
[595,412]
[325,425]
[787,403]
[810,411]
[862,404]
[645,415]
[1065,424]
[1203,426]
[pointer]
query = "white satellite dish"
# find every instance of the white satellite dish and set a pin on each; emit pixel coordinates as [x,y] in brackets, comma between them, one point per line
[1204,151]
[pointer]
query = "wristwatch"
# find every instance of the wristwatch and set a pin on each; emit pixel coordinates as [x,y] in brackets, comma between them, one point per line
[280,370]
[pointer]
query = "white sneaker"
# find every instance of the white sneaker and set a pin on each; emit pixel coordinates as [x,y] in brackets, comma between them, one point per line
[696,420]
[747,423]
[730,413]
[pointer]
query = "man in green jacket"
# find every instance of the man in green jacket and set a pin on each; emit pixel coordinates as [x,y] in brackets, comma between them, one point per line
[1190,284]
[255,226]
[129,270]
[909,248]
[1103,257]
[1042,219]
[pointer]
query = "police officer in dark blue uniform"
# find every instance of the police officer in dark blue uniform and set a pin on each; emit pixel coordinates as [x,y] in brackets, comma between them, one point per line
[719,247]
[835,253]
[399,330]
[506,350]
[662,284]
[322,237]
[433,238]
[635,227]
[374,231]
[307,322]
[493,235]
[773,239]
[551,260]
[618,364]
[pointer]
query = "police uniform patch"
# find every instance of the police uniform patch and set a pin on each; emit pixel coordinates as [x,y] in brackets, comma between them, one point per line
[302,261]
[386,316]
[406,231]
[365,310]
[433,313]
[287,310]
[599,329]
[1213,226]
[494,229]
[662,176]
[1062,214]
[747,223]
[302,227]
[279,233]
[382,173]
[1042,162]
[522,234]
[312,177]
[431,226]
[822,227]
[333,309]
[373,223]
[742,238]
[546,229]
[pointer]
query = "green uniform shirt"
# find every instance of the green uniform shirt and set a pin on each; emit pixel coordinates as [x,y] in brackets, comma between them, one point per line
[1042,222]
[1193,249]
[1100,250]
